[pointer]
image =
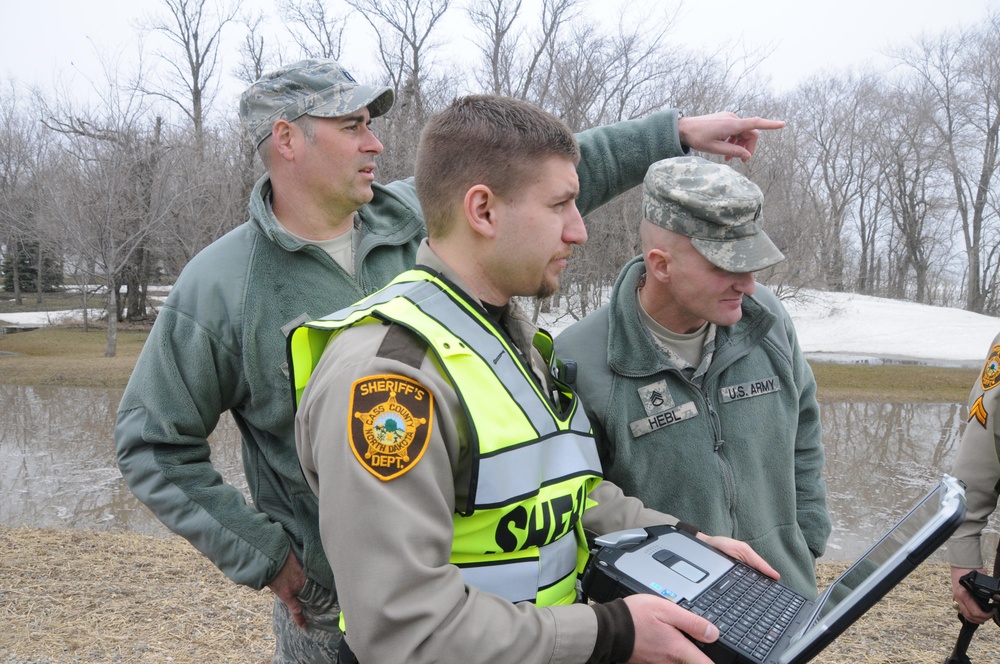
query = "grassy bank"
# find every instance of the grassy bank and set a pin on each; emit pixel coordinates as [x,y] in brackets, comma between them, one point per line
[893,383]
[71,357]
[49,302]
[68,356]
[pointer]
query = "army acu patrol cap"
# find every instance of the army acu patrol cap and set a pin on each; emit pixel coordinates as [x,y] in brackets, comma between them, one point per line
[715,206]
[320,88]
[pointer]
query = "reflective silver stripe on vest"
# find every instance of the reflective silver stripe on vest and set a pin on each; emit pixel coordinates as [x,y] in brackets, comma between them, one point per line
[439,305]
[436,303]
[390,292]
[580,420]
[520,581]
[502,478]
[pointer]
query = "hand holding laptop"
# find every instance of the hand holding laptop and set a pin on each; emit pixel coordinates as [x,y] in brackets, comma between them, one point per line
[660,629]
[742,552]
[661,625]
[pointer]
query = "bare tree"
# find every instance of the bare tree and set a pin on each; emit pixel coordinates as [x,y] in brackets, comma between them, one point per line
[195,32]
[606,77]
[914,181]
[110,201]
[404,31]
[255,57]
[830,128]
[508,67]
[962,71]
[208,196]
[16,160]
[316,31]
[495,20]
[405,46]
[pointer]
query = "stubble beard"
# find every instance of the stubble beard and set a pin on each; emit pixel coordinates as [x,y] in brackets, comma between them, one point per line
[547,288]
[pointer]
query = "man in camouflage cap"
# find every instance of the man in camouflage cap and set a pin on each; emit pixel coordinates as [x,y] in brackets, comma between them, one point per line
[701,399]
[321,235]
[318,88]
[719,209]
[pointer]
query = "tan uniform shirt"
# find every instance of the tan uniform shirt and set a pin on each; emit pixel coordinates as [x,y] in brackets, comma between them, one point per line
[977,463]
[389,541]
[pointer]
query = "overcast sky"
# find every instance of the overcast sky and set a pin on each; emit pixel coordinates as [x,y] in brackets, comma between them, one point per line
[54,43]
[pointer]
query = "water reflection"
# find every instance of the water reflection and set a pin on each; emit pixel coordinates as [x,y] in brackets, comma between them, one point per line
[57,465]
[880,458]
[57,461]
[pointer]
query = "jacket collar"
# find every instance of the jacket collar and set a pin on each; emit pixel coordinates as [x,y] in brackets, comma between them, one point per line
[513,320]
[390,218]
[262,216]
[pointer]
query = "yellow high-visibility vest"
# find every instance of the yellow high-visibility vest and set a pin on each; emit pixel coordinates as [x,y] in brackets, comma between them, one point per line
[534,463]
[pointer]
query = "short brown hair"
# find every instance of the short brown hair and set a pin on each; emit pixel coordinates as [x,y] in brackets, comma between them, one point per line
[306,123]
[483,139]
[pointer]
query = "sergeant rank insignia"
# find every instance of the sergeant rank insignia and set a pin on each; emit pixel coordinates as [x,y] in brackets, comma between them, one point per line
[390,424]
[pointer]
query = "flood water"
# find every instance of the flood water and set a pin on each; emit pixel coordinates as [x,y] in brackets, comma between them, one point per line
[57,461]
[57,465]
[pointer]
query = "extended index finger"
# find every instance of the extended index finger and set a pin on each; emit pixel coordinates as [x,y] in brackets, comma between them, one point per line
[761,123]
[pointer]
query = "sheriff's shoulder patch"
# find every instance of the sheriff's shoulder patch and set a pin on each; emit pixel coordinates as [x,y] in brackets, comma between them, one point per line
[991,372]
[390,424]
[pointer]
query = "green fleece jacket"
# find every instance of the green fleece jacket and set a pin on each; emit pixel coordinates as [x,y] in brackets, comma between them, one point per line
[738,456]
[219,345]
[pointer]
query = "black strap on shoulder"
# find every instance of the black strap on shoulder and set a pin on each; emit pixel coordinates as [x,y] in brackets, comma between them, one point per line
[402,344]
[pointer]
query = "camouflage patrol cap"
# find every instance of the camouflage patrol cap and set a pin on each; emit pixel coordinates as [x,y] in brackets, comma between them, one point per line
[320,88]
[715,206]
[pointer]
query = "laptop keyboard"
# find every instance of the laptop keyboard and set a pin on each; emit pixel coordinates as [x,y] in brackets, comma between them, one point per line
[750,610]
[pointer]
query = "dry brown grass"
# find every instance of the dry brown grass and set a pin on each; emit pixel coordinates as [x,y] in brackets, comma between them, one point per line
[893,383]
[84,596]
[913,624]
[68,356]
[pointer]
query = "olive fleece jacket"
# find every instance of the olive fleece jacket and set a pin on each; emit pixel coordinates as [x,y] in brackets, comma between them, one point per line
[746,462]
[219,343]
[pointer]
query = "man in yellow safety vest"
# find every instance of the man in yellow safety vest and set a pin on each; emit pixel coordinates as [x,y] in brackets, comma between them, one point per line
[457,476]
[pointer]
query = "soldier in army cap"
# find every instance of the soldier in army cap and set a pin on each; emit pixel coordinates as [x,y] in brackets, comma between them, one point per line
[318,88]
[715,206]
[701,397]
[321,234]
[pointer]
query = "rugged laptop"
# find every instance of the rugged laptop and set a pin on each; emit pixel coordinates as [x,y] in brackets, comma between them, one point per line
[759,619]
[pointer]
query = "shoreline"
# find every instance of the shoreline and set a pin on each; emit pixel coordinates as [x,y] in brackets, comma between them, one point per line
[69,357]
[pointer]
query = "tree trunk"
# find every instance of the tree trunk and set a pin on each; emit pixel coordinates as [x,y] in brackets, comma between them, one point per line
[38,276]
[86,308]
[16,262]
[112,346]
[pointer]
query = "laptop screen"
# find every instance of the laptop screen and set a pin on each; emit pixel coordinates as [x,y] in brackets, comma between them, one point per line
[914,538]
